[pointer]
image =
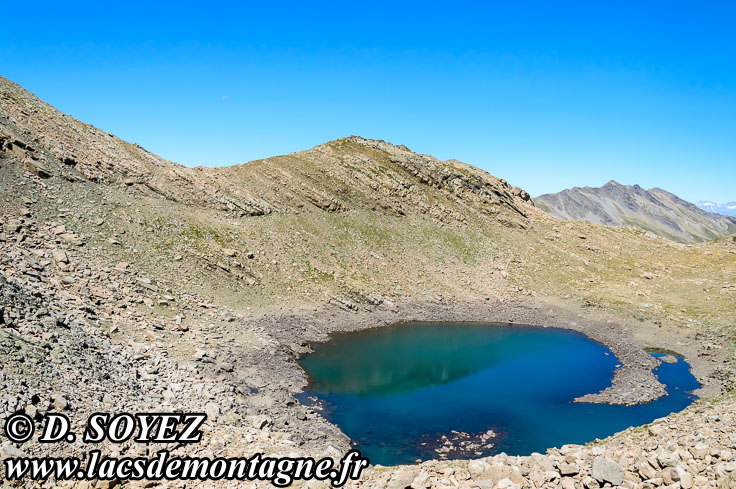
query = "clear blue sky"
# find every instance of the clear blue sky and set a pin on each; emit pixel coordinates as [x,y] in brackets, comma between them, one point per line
[545,94]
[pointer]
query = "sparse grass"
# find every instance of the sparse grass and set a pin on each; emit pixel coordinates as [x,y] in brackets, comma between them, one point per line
[425,256]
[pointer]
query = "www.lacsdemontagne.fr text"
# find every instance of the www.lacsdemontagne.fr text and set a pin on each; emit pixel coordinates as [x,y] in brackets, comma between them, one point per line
[281,472]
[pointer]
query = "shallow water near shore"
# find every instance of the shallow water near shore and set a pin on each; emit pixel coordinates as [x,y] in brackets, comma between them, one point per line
[422,391]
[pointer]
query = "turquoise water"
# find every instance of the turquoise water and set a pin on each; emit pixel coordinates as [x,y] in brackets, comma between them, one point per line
[396,391]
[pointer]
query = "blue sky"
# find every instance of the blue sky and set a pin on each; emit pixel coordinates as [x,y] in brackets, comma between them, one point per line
[545,94]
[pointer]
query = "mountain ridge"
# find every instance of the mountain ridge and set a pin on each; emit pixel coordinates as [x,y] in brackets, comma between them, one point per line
[334,176]
[655,210]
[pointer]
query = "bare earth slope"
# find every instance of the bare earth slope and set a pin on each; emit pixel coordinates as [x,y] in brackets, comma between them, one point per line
[654,210]
[129,282]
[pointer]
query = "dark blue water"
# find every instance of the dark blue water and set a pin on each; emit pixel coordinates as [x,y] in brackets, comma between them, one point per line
[395,391]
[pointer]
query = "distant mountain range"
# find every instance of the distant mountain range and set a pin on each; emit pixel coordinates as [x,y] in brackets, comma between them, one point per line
[654,210]
[727,209]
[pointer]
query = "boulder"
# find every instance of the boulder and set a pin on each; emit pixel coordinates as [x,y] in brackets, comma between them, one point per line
[421,481]
[212,410]
[260,422]
[507,484]
[403,479]
[686,479]
[60,256]
[36,168]
[605,470]
[646,471]
[59,402]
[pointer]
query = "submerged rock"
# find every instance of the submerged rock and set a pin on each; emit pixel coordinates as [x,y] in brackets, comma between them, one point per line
[668,358]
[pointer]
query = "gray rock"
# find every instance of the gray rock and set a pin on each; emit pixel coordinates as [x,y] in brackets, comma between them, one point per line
[646,471]
[212,410]
[590,483]
[607,471]
[699,451]
[260,422]
[59,401]
[421,481]
[147,283]
[7,450]
[666,459]
[403,479]
[686,479]
[60,256]
[476,467]
[569,469]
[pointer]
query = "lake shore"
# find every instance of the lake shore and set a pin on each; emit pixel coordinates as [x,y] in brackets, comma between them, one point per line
[633,382]
[275,377]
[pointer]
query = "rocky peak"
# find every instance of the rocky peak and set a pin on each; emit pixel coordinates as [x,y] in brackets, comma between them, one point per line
[654,210]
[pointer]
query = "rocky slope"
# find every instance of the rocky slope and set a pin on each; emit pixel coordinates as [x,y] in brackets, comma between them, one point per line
[654,210]
[130,282]
[338,176]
